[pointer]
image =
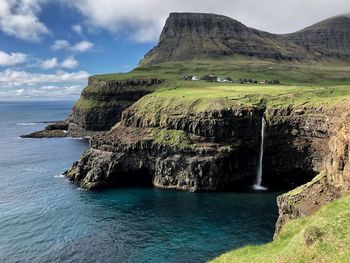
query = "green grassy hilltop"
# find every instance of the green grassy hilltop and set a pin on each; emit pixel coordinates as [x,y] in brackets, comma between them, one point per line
[322,237]
[330,72]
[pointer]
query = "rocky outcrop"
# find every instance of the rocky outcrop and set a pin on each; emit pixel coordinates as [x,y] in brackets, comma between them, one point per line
[296,143]
[189,36]
[103,101]
[99,107]
[54,130]
[333,181]
[207,151]
[169,158]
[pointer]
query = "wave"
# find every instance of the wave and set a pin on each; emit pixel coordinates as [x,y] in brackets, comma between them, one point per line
[78,138]
[35,123]
[27,123]
[59,176]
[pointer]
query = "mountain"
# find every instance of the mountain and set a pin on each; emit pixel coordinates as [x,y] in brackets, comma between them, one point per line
[330,37]
[189,36]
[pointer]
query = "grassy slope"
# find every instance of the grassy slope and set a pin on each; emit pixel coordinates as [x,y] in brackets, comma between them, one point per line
[301,83]
[186,101]
[330,73]
[322,237]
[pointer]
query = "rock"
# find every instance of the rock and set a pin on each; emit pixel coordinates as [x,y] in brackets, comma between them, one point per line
[47,134]
[119,156]
[102,102]
[333,181]
[60,125]
[220,153]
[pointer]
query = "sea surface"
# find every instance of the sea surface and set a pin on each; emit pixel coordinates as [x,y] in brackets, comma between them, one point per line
[45,218]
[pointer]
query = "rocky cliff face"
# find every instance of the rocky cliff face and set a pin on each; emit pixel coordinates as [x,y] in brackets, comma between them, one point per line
[103,101]
[333,180]
[188,36]
[329,38]
[296,143]
[207,151]
[197,156]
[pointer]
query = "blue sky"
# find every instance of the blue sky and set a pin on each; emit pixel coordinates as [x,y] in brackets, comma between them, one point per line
[55,63]
[48,48]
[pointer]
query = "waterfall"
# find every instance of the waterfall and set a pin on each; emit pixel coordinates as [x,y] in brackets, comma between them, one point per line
[257,185]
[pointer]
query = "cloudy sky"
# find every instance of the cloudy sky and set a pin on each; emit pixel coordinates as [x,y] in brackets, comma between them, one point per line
[48,48]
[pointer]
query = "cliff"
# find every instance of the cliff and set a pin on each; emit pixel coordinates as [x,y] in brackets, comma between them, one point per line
[332,183]
[103,101]
[100,106]
[208,144]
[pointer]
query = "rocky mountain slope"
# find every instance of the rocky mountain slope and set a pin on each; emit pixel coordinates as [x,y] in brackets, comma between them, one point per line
[188,36]
[329,38]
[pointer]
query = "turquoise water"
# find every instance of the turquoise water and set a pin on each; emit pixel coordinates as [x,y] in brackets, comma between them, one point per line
[45,218]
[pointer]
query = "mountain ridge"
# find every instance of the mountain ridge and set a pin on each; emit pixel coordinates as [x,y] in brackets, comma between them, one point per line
[198,36]
[330,37]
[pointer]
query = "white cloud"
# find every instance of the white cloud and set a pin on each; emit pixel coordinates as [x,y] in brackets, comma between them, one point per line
[27,85]
[143,20]
[19,18]
[60,44]
[11,78]
[49,64]
[11,59]
[77,29]
[43,92]
[70,63]
[79,47]
[82,46]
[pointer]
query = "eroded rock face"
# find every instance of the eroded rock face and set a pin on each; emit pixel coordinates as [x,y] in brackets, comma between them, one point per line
[218,125]
[102,102]
[117,157]
[296,143]
[222,152]
[333,181]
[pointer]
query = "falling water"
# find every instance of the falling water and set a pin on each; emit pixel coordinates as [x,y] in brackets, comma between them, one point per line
[257,185]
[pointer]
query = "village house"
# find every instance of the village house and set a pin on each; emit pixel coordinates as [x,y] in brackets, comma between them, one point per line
[214,78]
[210,78]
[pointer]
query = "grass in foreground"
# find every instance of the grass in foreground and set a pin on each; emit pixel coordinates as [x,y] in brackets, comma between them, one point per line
[322,237]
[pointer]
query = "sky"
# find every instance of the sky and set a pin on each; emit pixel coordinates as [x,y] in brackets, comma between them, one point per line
[48,48]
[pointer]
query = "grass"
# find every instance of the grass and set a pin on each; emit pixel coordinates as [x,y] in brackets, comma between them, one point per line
[189,101]
[177,138]
[322,237]
[303,187]
[332,72]
[84,104]
[312,84]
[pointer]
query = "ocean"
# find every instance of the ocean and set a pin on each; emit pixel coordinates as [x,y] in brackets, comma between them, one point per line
[46,218]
